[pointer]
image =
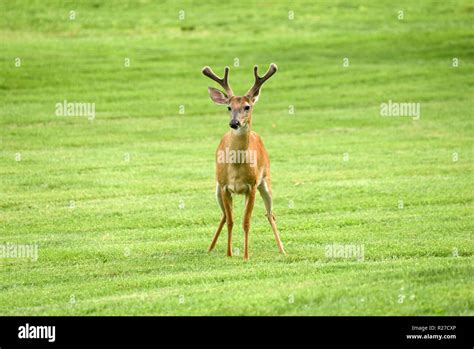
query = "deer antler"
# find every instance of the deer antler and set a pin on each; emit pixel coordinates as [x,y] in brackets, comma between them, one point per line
[223,82]
[259,81]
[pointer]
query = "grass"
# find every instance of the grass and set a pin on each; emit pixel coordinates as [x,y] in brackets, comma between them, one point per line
[101,198]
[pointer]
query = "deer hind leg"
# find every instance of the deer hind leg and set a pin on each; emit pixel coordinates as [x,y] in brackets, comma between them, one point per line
[266,192]
[227,203]
[249,203]
[222,222]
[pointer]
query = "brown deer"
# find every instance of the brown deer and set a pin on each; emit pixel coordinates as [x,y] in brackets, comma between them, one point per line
[242,164]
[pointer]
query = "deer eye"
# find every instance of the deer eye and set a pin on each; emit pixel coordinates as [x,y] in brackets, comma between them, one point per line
[229,108]
[247,107]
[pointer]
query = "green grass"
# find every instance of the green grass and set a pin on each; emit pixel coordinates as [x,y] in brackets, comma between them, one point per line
[126,247]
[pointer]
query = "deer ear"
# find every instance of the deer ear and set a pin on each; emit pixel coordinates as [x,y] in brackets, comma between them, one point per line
[217,96]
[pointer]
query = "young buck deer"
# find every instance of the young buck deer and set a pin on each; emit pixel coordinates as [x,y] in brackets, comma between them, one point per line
[236,172]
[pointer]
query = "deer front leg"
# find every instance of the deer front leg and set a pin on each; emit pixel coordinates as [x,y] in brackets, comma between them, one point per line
[227,202]
[249,202]
[221,224]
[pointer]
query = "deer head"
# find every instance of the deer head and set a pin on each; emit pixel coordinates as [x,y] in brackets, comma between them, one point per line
[239,107]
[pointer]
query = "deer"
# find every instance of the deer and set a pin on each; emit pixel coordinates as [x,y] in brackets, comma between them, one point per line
[235,174]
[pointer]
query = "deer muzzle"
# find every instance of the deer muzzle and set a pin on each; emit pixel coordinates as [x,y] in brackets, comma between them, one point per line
[234,123]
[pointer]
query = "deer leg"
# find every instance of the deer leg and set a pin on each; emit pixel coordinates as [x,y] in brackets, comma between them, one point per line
[266,192]
[222,222]
[249,202]
[227,202]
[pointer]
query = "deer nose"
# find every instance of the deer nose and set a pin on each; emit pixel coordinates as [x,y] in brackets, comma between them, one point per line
[234,124]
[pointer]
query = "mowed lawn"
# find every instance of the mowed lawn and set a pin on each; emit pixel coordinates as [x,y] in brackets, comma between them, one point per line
[122,207]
